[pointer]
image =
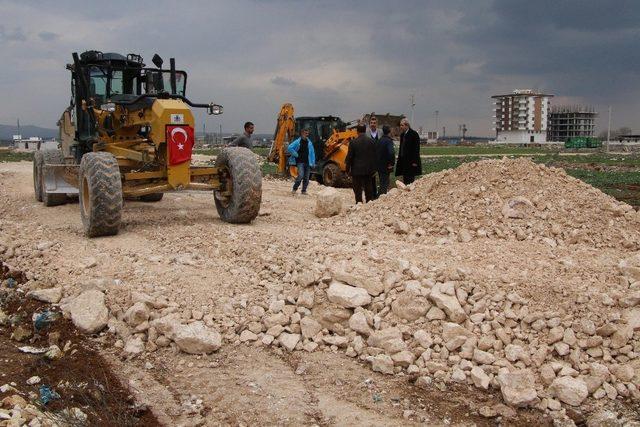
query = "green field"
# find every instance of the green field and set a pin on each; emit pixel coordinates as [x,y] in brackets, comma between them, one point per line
[13,156]
[456,150]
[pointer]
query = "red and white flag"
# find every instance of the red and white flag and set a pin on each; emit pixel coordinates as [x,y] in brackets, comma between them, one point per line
[180,141]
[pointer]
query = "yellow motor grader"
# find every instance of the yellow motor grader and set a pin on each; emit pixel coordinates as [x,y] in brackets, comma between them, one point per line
[129,133]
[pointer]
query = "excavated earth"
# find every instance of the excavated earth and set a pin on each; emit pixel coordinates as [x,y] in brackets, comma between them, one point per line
[498,292]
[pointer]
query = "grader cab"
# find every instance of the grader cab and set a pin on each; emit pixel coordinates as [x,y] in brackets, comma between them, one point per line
[129,133]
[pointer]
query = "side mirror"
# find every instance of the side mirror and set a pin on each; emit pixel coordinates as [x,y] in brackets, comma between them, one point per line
[214,109]
[157,61]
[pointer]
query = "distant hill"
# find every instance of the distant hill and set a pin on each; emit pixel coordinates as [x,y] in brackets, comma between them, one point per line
[7,132]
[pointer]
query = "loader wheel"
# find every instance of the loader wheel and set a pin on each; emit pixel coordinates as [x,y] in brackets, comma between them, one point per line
[100,194]
[332,176]
[38,161]
[153,197]
[51,157]
[238,200]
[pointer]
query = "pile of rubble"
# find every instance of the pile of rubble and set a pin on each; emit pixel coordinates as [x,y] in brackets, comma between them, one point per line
[504,199]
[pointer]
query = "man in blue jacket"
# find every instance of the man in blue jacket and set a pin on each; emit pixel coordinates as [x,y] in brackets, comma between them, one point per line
[303,157]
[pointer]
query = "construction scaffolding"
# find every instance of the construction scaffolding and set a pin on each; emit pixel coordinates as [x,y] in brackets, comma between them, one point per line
[566,122]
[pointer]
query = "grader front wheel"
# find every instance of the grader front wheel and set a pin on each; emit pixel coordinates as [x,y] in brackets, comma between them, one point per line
[238,201]
[100,194]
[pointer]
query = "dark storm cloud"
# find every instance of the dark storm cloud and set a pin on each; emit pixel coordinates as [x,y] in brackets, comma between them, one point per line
[335,57]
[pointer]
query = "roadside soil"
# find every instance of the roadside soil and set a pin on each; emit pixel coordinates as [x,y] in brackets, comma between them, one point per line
[180,248]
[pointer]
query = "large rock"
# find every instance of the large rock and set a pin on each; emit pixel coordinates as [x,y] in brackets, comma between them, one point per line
[382,363]
[572,391]
[410,306]
[136,314]
[328,203]
[88,311]
[167,325]
[451,330]
[518,388]
[347,296]
[332,316]
[196,338]
[51,295]
[632,318]
[630,267]
[448,303]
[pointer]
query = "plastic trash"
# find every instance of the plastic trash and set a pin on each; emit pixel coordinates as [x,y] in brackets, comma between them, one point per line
[47,394]
[11,282]
[42,320]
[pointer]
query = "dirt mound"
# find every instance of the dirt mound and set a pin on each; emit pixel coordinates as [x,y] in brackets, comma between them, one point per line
[505,199]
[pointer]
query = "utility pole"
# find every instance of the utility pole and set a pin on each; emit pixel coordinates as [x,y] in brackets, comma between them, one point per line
[609,129]
[413,104]
[221,133]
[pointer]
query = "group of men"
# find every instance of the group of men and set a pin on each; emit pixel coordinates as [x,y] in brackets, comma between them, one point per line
[369,162]
[371,157]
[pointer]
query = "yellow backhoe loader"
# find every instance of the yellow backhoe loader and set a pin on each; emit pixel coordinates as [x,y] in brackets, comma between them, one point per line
[129,132]
[330,136]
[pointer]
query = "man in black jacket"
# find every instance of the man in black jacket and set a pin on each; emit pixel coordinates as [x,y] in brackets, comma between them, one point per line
[409,164]
[361,164]
[385,158]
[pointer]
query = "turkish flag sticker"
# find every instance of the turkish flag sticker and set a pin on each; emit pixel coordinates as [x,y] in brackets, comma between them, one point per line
[180,144]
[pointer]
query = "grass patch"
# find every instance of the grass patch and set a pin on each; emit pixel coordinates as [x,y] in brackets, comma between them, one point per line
[14,156]
[454,150]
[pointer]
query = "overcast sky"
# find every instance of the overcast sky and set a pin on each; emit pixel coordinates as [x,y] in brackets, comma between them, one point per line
[336,57]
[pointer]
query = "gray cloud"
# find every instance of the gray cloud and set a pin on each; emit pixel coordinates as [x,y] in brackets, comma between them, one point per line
[359,56]
[48,36]
[15,34]
[282,81]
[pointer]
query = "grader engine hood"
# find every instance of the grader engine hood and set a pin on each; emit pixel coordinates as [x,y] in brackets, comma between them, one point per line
[172,129]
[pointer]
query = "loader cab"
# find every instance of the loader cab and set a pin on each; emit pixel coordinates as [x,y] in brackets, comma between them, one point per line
[321,129]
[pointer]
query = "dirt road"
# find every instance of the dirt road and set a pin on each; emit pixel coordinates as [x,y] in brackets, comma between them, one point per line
[180,250]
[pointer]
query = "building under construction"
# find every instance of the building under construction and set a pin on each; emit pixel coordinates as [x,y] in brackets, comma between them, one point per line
[567,122]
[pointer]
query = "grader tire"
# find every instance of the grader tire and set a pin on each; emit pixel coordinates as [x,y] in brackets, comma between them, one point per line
[100,194]
[51,157]
[38,161]
[153,197]
[244,183]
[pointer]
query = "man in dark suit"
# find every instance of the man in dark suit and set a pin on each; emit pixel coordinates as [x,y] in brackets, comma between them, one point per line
[386,157]
[408,164]
[361,164]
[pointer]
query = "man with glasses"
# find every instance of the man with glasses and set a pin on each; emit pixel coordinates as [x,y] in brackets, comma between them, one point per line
[408,164]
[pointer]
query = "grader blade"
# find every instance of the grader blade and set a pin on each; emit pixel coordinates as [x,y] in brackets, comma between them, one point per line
[54,182]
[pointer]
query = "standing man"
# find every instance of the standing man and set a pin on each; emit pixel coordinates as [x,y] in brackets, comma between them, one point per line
[409,164]
[244,140]
[385,158]
[374,133]
[303,157]
[361,164]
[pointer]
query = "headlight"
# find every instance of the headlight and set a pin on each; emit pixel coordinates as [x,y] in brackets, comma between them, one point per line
[111,107]
[215,109]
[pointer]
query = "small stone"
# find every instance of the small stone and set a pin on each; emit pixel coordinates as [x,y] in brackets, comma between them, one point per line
[310,327]
[134,345]
[483,357]
[33,380]
[88,311]
[401,227]
[403,358]
[247,335]
[289,341]
[358,322]
[50,296]
[480,378]
[306,298]
[518,388]
[383,364]
[136,314]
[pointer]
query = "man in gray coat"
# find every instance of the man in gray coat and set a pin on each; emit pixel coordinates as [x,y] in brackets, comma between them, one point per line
[244,140]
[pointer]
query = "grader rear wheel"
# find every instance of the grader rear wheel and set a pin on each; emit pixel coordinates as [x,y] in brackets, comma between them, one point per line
[51,157]
[238,201]
[331,175]
[100,194]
